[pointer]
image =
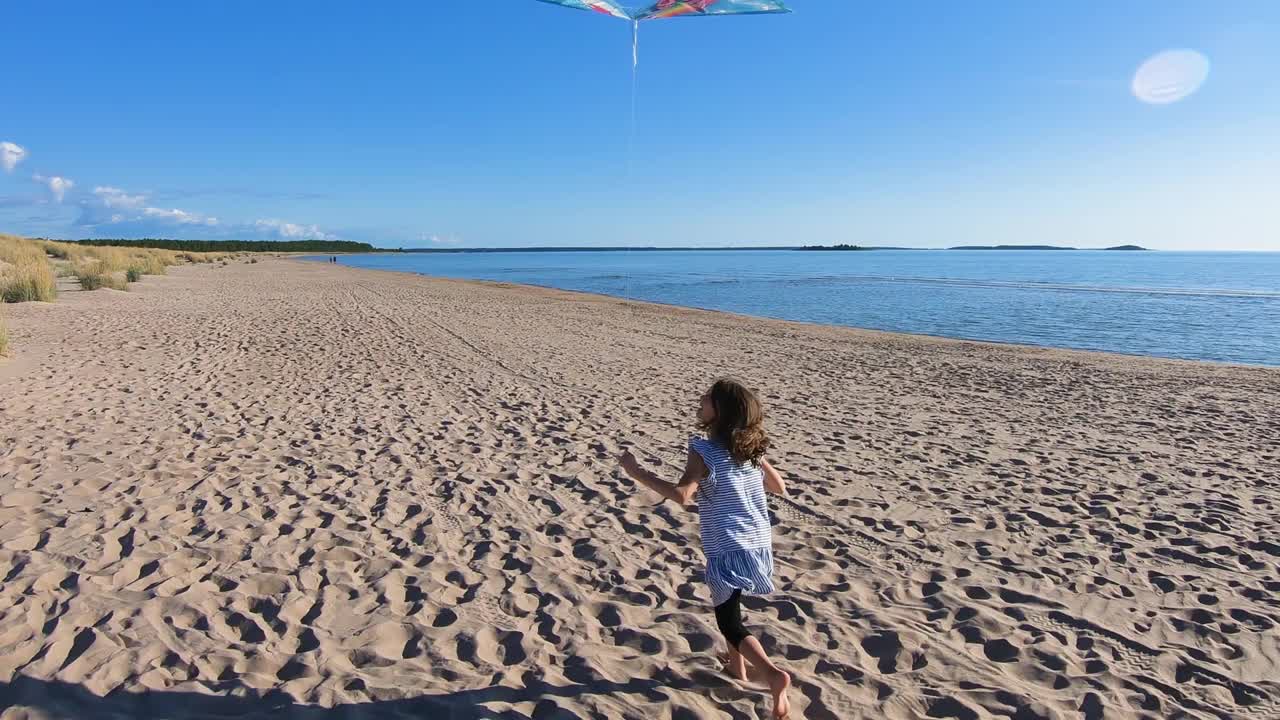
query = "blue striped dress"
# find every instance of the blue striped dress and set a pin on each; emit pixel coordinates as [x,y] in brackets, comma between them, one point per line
[734,516]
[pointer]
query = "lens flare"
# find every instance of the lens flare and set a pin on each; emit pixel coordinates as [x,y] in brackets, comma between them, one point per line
[1170,76]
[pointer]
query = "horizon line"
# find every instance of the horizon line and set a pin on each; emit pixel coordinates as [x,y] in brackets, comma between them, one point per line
[380,247]
[691,248]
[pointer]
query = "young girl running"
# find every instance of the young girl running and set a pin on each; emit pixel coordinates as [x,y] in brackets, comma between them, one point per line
[727,473]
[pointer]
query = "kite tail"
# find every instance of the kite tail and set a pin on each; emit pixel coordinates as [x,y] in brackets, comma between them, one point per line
[635,44]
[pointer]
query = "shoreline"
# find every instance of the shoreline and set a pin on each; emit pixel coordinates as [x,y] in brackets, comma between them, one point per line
[744,316]
[278,489]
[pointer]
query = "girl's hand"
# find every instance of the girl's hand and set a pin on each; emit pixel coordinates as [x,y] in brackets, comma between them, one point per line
[773,481]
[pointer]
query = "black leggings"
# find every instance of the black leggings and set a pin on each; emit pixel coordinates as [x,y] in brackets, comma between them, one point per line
[729,619]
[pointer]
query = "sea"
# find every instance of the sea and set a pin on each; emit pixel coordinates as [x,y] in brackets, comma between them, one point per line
[1211,306]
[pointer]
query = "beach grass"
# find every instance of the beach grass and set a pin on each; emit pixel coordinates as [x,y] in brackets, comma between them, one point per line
[93,276]
[149,261]
[198,258]
[111,267]
[152,262]
[25,272]
[55,249]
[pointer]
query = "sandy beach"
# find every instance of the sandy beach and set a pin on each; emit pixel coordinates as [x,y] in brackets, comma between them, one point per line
[295,490]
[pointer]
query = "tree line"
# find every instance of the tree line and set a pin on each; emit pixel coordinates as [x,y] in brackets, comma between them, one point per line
[327,246]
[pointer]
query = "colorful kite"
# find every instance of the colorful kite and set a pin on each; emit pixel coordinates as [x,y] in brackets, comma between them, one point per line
[657,11]
[675,8]
[669,9]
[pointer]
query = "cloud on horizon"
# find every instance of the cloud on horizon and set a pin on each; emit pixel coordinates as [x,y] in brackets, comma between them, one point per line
[10,155]
[108,211]
[115,212]
[110,206]
[116,198]
[179,217]
[58,186]
[119,200]
[292,231]
[439,239]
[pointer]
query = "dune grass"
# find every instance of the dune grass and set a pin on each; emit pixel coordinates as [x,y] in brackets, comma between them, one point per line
[95,275]
[115,267]
[200,258]
[25,272]
[149,261]
[55,249]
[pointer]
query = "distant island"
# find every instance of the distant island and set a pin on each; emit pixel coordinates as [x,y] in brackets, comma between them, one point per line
[1041,247]
[850,248]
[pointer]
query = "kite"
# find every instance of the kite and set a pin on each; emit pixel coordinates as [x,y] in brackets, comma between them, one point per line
[672,8]
[660,10]
[675,8]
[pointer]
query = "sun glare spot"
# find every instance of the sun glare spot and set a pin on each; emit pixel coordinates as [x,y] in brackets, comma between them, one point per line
[1170,76]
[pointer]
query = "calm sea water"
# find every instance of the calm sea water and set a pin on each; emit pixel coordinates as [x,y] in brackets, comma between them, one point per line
[1201,306]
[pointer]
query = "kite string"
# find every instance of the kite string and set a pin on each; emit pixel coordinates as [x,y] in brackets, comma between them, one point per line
[631,140]
[635,72]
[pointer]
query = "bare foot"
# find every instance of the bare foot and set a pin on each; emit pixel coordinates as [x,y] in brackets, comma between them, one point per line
[738,670]
[779,684]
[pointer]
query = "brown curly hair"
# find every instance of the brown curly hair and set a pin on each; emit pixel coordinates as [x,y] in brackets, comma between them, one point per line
[739,421]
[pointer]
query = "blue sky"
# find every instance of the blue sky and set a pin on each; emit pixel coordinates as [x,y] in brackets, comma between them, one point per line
[508,122]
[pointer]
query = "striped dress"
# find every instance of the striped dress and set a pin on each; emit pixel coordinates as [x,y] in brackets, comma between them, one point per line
[734,516]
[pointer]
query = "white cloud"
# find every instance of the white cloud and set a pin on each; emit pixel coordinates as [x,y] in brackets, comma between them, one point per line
[10,155]
[57,185]
[113,211]
[181,217]
[439,239]
[112,206]
[117,198]
[292,231]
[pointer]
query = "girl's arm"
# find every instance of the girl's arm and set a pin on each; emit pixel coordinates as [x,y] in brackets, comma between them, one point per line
[682,492]
[772,479]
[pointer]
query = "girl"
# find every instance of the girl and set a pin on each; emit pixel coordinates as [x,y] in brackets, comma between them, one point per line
[727,473]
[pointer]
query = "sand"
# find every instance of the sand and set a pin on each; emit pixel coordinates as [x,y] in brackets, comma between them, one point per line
[293,490]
